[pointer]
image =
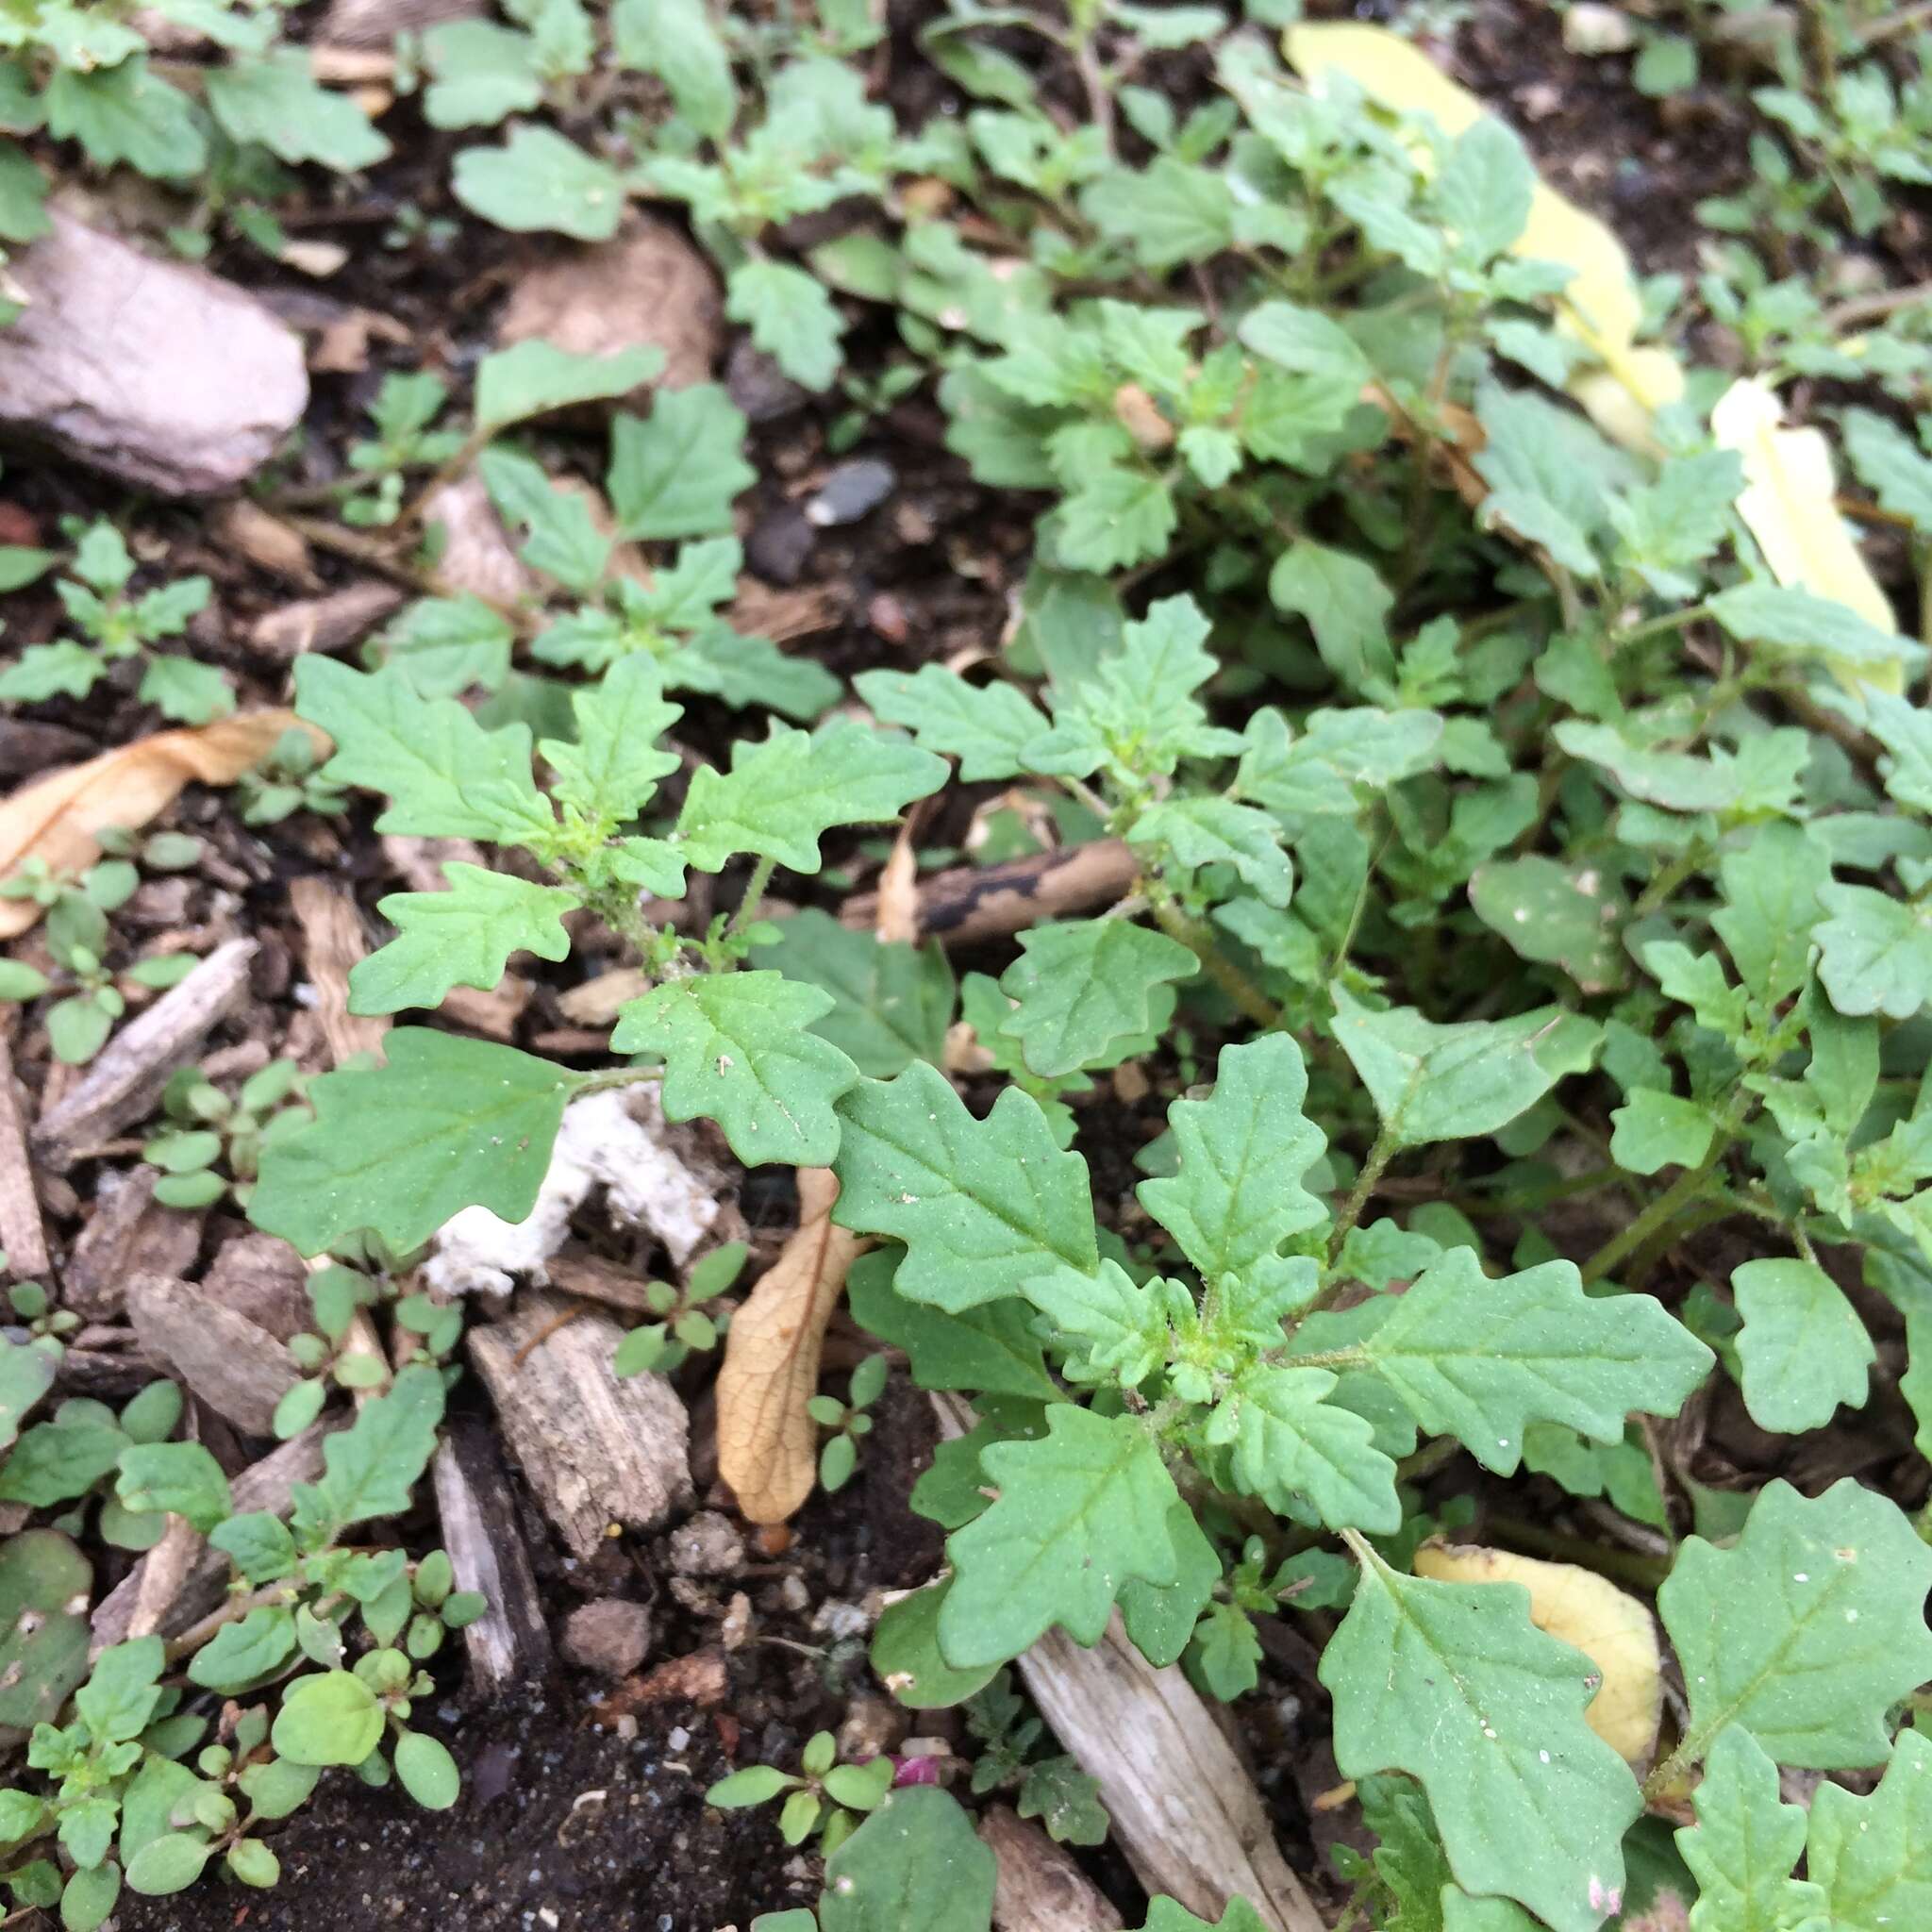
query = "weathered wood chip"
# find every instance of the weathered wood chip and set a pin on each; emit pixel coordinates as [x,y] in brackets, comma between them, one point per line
[594,1449]
[509,1641]
[240,1371]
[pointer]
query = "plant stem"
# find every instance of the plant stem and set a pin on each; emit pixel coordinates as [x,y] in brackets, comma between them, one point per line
[753,893]
[1380,1155]
[1665,1208]
[1245,994]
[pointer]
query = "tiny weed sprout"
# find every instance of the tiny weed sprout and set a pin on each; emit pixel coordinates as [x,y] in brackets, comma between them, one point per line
[1339,927]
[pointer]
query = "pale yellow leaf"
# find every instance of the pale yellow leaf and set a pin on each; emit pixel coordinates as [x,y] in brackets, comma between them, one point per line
[1600,306]
[1788,504]
[767,1444]
[1590,1614]
[55,818]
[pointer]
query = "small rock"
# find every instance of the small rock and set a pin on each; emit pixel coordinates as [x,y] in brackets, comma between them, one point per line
[610,1637]
[648,288]
[779,544]
[332,622]
[852,490]
[873,1726]
[1590,29]
[158,374]
[706,1546]
[837,1620]
[755,383]
[477,555]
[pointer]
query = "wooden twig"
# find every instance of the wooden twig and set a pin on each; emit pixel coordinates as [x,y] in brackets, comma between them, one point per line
[972,903]
[509,1641]
[20,1232]
[1039,1887]
[124,1083]
[596,1450]
[333,941]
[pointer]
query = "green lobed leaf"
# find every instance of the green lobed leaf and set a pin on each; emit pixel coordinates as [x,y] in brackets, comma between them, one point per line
[1077,1515]
[536,181]
[1083,987]
[446,776]
[982,1206]
[1433,1082]
[792,317]
[1802,1348]
[179,1477]
[1207,830]
[1482,1360]
[1875,951]
[1237,1192]
[1871,1857]
[371,1469]
[446,1124]
[611,769]
[738,1049]
[1288,1443]
[1836,1634]
[463,936]
[781,795]
[275,99]
[986,726]
[1451,1683]
[1745,1845]
[675,474]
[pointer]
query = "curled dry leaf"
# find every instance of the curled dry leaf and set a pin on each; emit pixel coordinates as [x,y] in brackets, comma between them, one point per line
[767,1444]
[1787,504]
[1585,1611]
[1601,306]
[55,818]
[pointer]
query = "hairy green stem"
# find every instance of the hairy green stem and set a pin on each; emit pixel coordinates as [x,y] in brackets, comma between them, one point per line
[1248,997]
[1658,1217]
[1380,1155]
[754,894]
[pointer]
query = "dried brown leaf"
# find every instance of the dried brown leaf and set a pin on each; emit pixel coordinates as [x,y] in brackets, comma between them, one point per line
[56,817]
[767,1444]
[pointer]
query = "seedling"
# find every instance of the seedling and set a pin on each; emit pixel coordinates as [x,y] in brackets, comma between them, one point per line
[847,1422]
[288,780]
[216,1143]
[1052,1788]
[116,625]
[684,1327]
[822,1797]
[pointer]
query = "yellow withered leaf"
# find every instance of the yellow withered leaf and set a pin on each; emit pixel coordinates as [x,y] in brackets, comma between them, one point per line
[1600,306]
[1788,504]
[767,1443]
[1590,1614]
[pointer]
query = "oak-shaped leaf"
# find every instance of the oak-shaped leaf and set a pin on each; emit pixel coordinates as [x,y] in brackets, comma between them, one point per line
[445,775]
[982,1206]
[783,793]
[1745,1844]
[1432,1082]
[1079,1515]
[1481,1359]
[1085,985]
[1237,1192]
[463,936]
[1806,1629]
[446,1124]
[1451,1683]
[738,1049]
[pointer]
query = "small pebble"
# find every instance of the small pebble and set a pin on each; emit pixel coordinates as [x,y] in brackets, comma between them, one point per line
[610,1637]
[852,490]
[706,1546]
